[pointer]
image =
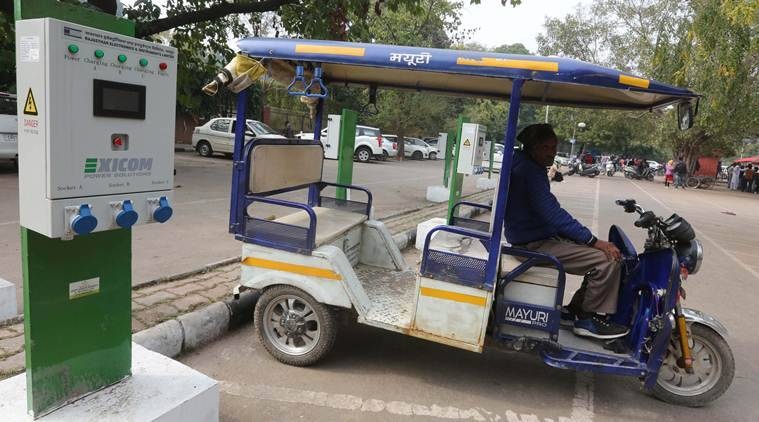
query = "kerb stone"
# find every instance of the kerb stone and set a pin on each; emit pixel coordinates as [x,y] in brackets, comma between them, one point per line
[204,325]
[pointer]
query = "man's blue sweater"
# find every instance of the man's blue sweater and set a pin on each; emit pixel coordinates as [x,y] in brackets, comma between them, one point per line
[533,212]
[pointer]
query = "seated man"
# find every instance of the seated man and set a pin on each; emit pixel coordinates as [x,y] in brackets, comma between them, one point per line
[535,221]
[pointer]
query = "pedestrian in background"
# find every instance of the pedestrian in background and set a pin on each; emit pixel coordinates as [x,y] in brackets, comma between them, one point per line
[756,182]
[669,168]
[748,176]
[681,171]
[736,177]
[288,132]
[742,181]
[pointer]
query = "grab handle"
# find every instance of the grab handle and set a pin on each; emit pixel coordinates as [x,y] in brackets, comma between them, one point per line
[298,78]
[317,80]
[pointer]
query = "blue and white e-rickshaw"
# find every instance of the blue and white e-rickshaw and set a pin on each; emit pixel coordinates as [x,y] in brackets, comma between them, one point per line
[472,288]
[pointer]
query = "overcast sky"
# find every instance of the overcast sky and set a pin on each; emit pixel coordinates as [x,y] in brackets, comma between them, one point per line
[500,25]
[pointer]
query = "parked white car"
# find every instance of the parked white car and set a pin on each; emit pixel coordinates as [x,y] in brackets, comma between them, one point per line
[8,128]
[218,135]
[389,148]
[415,148]
[369,143]
[562,159]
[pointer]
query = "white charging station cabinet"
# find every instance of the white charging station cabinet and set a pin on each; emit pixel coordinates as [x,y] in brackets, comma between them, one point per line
[96,128]
[442,144]
[471,148]
[332,143]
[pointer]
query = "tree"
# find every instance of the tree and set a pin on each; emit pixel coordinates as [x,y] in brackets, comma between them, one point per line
[200,29]
[717,54]
[706,45]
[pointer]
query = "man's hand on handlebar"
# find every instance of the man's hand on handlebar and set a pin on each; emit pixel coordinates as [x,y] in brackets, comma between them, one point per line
[609,249]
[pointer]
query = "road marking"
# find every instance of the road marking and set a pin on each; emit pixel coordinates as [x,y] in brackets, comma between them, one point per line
[358,404]
[201,201]
[395,181]
[704,236]
[596,207]
[582,403]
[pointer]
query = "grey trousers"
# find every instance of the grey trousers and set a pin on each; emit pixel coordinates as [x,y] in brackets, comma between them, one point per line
[600,287]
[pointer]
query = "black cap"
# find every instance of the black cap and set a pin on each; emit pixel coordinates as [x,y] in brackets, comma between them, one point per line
[536,133]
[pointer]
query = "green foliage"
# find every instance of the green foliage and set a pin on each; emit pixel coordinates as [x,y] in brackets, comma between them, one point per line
[7,58]
[709,46]
[202,50]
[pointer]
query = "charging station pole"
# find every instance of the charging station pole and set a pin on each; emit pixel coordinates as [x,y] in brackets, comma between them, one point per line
[456,180]
[77,292]
[346,147]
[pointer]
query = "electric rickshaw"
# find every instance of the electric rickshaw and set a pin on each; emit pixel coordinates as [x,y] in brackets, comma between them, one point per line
[473,290]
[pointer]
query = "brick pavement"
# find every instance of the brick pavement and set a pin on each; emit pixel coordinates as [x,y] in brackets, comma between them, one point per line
[156,302]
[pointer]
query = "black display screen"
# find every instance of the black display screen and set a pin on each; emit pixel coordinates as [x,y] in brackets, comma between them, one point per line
[116,99]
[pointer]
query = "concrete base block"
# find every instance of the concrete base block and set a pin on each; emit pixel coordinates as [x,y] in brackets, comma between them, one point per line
[437,193]
[424,227]
[160,389]
[485,183]
[8,306]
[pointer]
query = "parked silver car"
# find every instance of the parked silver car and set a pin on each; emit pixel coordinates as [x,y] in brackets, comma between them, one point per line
[415,148]
[8,128]
[218,135]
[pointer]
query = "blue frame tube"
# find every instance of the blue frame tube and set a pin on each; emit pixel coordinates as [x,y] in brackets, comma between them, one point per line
[238,163]
[313,191]
[494,250]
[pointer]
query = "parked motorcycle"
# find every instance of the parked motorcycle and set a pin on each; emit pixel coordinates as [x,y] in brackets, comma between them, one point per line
[632,173]
[590,170]
[610,169]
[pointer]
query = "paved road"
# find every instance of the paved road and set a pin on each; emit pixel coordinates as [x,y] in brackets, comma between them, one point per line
[197,234]
[377,375]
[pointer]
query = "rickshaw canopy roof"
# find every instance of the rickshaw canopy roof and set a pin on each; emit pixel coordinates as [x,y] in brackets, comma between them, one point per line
[549,80]
[752,160]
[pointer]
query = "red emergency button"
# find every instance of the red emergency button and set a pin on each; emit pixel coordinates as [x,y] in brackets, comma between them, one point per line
[118,142]
[163,66]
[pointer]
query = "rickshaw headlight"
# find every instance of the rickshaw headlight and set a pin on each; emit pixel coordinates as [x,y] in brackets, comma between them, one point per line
[691,254]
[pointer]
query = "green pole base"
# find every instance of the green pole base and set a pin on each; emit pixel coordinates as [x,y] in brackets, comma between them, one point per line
[77,315]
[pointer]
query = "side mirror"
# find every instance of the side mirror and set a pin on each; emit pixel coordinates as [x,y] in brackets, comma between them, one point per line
[685,116]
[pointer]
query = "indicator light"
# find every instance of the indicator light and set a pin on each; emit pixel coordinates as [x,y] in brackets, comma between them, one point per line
[163,66]
[143,62]
[122,58]
[73,48]
[99,54]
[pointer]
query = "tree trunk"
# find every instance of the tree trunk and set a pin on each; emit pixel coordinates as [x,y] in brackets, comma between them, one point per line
[401,144]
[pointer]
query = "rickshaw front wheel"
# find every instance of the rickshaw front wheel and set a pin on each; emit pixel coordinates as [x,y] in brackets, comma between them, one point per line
[293,327]
[713,370]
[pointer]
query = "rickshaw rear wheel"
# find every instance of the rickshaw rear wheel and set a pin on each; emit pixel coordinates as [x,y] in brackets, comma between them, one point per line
[293,327]
[713,370]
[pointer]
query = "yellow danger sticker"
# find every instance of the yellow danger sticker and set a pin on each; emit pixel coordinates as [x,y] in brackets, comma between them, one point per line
[466,141]
[30,107]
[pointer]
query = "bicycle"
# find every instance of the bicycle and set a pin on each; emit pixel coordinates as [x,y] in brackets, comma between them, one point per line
[699,182]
